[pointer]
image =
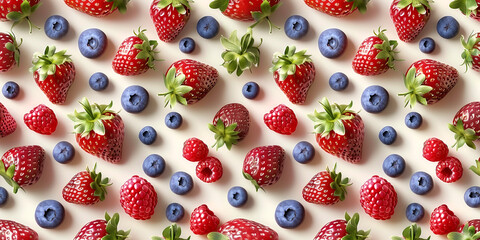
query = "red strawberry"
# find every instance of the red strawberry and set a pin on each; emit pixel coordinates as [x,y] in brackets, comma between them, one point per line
[135,55]
[98,8]
[435,150]
[169,17]
[326,187]
[102,229]
[18,11]
[409,17]
[54,73]
[294,73]
[188,81]
[375,55]
[8,125]
[475,223]
[22,166]
[13,230]
[342,229]
[263,165]
[195,150]
[411,232]
[471,51]
[241,228]
[468,8]
[443,220]
[240,54]
[203,220]
[230,125]
[9,51]
[209,170]
[86,187]
[41,119]
[449,170]
[99,131]
[466,125]
[138,198]
[378,198]
[338,8]
[281,119]
[428,81]
[339,131]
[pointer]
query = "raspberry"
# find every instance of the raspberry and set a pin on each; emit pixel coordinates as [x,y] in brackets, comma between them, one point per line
[443,220]
[41,119]
[281,119]
[449,170]
[209,170]
[195,150]
[435,150]
[203,220]
[138,198]
[378,198]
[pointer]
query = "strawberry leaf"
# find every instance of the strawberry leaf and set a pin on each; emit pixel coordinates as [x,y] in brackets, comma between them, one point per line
[285,64]
[331,119]
[25,11]
[92,119]
[224,135]
[220,4]
[176,89]
[45,64]
[416,88]
[217,236]
[476,168]
[467,7]
[240,54]
[264,14]
[463,136]
[470,49]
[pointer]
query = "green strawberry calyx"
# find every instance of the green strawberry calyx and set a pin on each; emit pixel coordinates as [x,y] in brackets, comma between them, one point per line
[172,232]
[476,168]
[240,54]
[266,10]
[361,5]
[46,64]
[469,49]
[467,7]
[387,48]
[176,89]
[463,136]
[253,181]
[420,5]
[92,118]
[99,184]
[416,89]
[412,232]
[339,184]
[180,5]
[14,47]
[352,228]
[217,236]
[286,63]
[8,174]
[147,48]
[112,228]
[24,14]
[332,118]
[224,135]
[121,5]
[468,233]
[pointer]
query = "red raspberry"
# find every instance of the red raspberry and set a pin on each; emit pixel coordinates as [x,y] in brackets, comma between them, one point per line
[378,198]
[281,119]
[449,170]
[41,119]
[195,150]
[138,198]
[435,150]
[443,220]
[203,220]
[209,170]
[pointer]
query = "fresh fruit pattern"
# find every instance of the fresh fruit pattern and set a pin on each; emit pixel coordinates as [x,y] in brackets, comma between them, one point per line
[198,50]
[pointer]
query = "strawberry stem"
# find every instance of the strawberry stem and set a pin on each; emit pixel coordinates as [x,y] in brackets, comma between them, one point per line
[147,48]
[468,233]
[176,89]
[332,118]
[286,63]
[92,118]
[470,49]
[411,232]
[23,15]
[416,88]
[111,228]
[99,184]
[240,55]
[387,48]
[467,7]
[46,63]
[224,135]
[7,174]
[476,168]
[264,14]
[463,136]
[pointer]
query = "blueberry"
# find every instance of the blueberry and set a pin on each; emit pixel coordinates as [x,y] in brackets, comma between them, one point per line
[49,214]
[208,27]
[338,81]
[56,27]
[153,165]
[174,212]
[98,81]
[421,183]
[448,27]
[374,99]
[303,152]
[250,90]
[472,197]
[10,90]
[332,42]
[186,45]
[63,152]
[181,183]
[237,196]
[296,27]
[92,42]
[289,214]
[3,196]
[393,165]
[134,99]
[173,120]
[426,45]
[147,135]
[414,212]
[387,135]
[413,120]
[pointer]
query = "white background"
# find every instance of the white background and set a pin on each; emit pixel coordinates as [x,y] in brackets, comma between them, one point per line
[261,205]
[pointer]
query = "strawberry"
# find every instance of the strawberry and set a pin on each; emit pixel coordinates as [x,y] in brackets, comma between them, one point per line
[338,8]
[188,81]
[169,17]
[378,198]
[326,188]
[99,131]
[467,7]
[443,220]
[54,73]
[435,150]
[102,229]
[240,54]
[375,55]
[9,51]
[294,73]
[466,125]
[18,11]
[475,223]
[41,119]
[449,170]
[209,170]
[203,220]
[342,229]
[428,81]
[194,150]
[22,166]
[13,230]
[8,125]
[339,131]
[138,198]
[281,119]
[98,8]
[135,55]
[241,228]
[86,187]
[230,125]
[172,232]
[263,165]
[471,51]
[411,232]
[409,17]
